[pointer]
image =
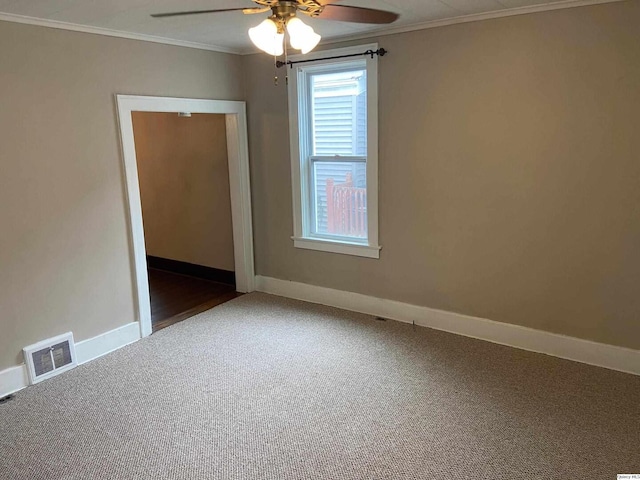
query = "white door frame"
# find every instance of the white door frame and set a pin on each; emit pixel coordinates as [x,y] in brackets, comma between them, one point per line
[238,157]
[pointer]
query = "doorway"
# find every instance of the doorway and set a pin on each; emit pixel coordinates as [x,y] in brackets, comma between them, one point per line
[238,174]
[183,176]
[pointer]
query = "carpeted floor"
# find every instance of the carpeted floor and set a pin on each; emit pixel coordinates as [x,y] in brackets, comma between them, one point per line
[268,388]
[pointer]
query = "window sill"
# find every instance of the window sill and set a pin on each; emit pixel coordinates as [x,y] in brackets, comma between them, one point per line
[332,246]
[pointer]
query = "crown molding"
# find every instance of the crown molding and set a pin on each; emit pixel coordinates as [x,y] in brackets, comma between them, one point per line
[543,7]
[40,22]
[476,17]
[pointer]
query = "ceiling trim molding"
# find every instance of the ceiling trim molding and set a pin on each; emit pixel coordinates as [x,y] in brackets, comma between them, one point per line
[466,19]
[40,22]
[544,7]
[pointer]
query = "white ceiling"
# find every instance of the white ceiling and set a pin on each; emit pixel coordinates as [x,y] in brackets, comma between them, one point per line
[228,31]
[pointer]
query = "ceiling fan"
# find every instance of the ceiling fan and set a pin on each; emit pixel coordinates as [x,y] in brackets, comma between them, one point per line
[269,35]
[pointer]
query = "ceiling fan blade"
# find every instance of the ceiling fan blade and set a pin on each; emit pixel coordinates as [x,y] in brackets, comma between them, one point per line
[249,11]
[343,13]
[195,12]
[326,2]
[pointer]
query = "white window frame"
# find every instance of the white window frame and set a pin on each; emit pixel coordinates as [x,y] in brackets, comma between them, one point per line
[302,217]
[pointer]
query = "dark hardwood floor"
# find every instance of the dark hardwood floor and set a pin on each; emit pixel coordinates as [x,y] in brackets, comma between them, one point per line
[176,297]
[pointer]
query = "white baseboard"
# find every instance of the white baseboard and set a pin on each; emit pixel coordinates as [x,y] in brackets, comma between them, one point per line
[15,378]
[95,347]
[571,348]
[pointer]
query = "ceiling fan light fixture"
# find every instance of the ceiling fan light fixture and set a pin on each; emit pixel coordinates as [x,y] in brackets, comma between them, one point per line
[266,37]
[269,35]
[302,36]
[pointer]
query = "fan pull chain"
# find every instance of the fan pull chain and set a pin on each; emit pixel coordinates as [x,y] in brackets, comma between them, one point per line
[275,70]
[286,61]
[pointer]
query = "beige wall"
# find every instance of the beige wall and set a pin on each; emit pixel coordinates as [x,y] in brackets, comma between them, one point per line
[65,257]
[509,173]
[184,187]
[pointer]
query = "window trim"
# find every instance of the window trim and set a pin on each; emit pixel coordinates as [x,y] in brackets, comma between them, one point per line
[300,167]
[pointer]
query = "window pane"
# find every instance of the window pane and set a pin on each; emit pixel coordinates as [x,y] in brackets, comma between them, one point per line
[340,199]
[339,112]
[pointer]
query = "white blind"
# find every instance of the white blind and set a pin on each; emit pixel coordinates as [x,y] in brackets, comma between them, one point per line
[339,115]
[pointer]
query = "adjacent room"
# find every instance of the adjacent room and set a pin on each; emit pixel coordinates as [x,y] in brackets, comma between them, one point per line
[332,239]
[183,177]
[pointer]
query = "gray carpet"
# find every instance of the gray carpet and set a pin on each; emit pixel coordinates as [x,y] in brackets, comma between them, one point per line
[268,388]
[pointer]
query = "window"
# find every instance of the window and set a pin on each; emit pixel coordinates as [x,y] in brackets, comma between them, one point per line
[334,152]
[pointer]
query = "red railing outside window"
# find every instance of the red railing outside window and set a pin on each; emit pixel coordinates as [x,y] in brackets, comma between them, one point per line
[346,208]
